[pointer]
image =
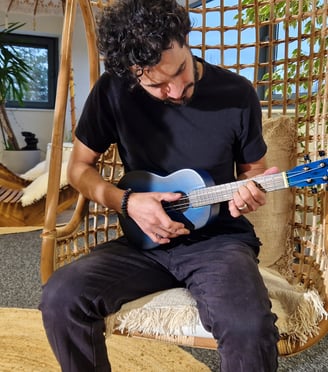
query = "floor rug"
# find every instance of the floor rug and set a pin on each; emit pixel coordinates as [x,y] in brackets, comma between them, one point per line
[24,347]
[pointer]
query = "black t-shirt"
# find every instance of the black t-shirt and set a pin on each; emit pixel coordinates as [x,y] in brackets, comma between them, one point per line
[219,127]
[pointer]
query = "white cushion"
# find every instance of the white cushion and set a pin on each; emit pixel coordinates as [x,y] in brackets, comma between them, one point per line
[173,312]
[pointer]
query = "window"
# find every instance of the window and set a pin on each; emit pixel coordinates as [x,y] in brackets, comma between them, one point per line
[214,38]
[217,29]
[41,53]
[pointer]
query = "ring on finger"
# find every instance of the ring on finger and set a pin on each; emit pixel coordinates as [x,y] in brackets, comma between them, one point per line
[243,207]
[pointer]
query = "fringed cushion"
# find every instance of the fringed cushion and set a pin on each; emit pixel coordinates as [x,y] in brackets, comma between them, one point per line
[173,312]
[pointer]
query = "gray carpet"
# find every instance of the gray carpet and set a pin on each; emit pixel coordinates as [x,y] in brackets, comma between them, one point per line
[20,287]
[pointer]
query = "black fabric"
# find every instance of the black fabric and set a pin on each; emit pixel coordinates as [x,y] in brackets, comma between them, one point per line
[219,127]
[221,273]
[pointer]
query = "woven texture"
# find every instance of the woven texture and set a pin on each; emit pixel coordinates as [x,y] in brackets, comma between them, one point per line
[24,347]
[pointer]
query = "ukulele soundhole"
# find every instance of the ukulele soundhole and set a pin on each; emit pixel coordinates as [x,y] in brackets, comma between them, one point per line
[179,206]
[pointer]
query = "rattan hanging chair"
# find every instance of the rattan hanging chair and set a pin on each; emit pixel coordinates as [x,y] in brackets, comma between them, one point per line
[295,107]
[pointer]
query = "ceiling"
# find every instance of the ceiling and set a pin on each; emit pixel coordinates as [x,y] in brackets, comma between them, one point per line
[32,7]
[44,7]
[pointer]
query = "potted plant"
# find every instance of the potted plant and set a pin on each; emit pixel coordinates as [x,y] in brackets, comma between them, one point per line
[14,82]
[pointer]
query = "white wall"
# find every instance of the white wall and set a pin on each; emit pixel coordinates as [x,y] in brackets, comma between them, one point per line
[40,121]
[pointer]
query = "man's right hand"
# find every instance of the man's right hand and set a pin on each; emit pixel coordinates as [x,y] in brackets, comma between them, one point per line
[147,211]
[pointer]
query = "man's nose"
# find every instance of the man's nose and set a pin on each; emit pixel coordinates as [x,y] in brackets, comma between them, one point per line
[175,89]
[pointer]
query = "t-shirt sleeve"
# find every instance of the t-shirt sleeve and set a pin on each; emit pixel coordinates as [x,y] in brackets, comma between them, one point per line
[251,142]
[96,126]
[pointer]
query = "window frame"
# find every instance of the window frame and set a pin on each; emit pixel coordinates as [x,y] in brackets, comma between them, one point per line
[42,42]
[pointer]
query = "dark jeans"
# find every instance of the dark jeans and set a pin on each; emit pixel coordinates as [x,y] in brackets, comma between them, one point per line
[221,273]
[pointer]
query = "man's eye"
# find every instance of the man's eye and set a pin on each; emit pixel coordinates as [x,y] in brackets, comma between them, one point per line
[159,86]
[182,68]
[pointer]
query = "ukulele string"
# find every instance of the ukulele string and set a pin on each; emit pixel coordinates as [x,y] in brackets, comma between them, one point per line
[184,201]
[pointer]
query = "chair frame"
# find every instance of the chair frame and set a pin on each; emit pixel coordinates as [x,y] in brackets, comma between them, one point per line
[12,211]
[61,245]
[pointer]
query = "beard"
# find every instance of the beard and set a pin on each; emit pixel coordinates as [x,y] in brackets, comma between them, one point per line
[184,100]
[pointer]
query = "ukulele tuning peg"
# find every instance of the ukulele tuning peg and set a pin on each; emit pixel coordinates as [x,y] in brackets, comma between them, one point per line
[307,158]
[314,190]
[322,153]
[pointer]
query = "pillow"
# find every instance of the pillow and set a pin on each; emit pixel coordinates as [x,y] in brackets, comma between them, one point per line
[273,221]
[38,188]
[35,172]
[67,150]
[172,312]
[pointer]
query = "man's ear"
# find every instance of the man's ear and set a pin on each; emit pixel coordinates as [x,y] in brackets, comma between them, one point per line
[137,71]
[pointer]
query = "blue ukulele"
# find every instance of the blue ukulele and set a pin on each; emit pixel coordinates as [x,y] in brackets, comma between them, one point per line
[201,198]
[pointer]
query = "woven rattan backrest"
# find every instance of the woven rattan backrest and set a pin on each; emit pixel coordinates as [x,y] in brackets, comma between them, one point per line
[281,46]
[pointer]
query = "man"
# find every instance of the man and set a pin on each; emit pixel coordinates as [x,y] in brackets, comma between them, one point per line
[166,110]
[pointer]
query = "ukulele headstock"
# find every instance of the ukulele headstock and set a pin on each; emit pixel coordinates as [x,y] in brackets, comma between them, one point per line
[309,174]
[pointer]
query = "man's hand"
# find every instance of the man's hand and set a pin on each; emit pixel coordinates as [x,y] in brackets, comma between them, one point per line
[147,211]
[249,197]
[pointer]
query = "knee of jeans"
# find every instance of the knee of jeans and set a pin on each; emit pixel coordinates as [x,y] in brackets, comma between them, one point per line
[60,293]
[256,328]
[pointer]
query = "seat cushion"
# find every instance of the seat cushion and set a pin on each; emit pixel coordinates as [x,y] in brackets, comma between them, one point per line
[174,312]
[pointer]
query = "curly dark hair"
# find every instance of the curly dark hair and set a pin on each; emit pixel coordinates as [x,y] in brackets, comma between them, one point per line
[136,32]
